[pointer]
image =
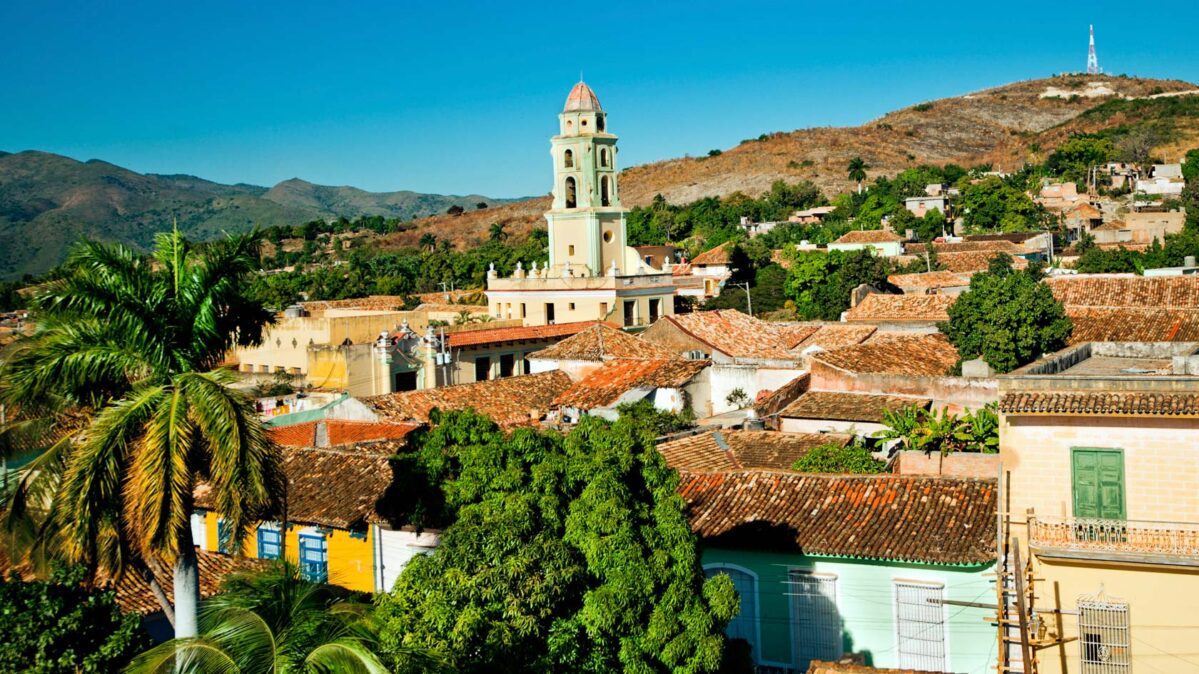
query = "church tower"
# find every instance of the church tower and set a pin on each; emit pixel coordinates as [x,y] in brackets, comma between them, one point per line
[586,221]
[590,274]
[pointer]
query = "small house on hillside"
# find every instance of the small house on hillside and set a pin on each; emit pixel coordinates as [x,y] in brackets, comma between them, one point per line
[884,243]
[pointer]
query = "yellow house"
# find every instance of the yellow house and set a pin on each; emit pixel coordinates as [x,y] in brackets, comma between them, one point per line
[1099,445]
[338,530]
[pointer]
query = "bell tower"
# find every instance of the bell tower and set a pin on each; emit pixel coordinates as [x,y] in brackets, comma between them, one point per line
[586,221]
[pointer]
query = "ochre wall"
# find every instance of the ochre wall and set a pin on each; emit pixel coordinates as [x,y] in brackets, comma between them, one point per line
[351,560]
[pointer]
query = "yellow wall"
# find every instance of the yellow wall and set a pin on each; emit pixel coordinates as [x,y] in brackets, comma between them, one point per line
[1161,469]
[351,560]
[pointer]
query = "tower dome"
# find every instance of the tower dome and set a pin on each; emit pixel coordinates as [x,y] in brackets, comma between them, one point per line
[582,99]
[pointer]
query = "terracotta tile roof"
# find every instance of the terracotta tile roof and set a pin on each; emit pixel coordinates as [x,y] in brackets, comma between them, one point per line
[509,401]
[734,334]
[295,435]
[928,355]
[606,385]
[1126,290]
[1085,211]
[1101,403]
[877,307]
[931,280]
[973,261]
[794,333]
[737,450]
[844,406]
[818,667]
[836,335]
[994,246]
[1102,324]
[932,520]
[716,256]
[339,432]
[869,236]
[451,308]
[681,269]
[602,342]
[515,334]
[134,594]
[329,487]
[372,303]
[774,401]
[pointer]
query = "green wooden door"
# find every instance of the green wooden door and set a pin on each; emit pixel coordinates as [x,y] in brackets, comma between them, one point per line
[1099,483]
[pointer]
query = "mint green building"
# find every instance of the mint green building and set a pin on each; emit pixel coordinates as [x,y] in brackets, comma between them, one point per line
[832,565]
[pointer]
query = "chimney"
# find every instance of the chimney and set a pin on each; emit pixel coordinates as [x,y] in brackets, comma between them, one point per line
[1188,261]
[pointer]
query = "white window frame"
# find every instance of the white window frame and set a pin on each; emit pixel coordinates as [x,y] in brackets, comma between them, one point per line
[757,624]
[930,585]
[1105,615]
[793,605]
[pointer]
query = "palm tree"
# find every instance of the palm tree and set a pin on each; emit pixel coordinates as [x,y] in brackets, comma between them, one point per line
[497,232]
[271,621]
[428,241]
[130,346]
[857,171]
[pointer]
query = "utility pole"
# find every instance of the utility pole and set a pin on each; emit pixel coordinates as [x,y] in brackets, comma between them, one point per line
[749,303]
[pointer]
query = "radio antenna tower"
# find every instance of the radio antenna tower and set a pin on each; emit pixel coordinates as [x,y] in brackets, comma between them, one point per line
[1092,60]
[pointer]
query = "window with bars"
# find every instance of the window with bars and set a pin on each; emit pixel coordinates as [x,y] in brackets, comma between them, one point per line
[920,626]
[270,542]
[314,557]
[814,615]
[1104,637]
[745,624]
[224,537]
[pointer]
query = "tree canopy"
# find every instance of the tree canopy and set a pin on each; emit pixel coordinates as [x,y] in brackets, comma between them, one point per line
[563,554]
[58,626]
[1007,317]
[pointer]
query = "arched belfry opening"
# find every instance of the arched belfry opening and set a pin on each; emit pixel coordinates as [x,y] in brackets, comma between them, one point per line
[604,157]
[571,200]
[568,159]
[604,200]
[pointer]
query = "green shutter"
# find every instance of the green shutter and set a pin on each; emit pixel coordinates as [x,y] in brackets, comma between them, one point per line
[1098,483]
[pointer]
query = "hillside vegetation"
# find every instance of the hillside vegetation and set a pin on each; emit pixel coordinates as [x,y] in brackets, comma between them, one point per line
[47,202]
[1005,126]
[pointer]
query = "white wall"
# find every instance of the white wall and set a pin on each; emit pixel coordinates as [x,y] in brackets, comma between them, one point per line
[863,428]
[199,530]
[393,551]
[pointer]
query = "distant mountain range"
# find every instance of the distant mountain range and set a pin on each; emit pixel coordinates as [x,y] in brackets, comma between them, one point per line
[48,201]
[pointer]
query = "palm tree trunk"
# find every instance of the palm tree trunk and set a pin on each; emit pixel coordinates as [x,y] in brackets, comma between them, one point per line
[187,587]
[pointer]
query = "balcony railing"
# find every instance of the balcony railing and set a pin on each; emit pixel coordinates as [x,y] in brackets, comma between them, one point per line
[1135,541]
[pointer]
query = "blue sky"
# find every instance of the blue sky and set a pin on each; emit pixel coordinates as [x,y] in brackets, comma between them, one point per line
[458,97]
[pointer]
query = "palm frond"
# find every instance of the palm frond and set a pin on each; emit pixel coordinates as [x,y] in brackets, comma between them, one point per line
[242,464]
[242,634]
[92,486]
[184,656]
[158,493]
[347,656]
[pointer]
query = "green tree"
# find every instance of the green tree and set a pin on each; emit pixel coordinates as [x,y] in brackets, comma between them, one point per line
[1190,166]
[919,429]
[131,346]
[496,231]
[1075,157]
[428,241]
[856,171]
[993,204]
[564,554]
[1007,317]
[60,627]
[274,620]
[832,458]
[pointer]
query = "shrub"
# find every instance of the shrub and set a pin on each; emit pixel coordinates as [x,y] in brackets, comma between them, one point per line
[832,458]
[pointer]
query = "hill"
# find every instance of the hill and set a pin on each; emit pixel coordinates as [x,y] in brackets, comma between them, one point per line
[47,202]
[352,202]
[1005,126]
